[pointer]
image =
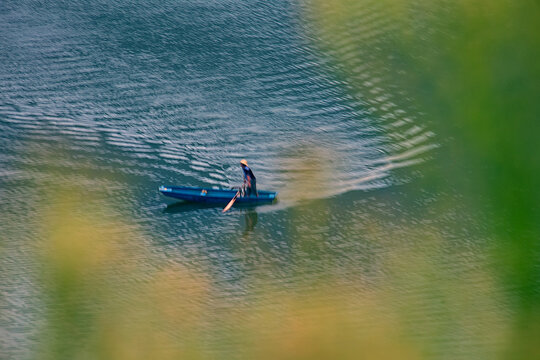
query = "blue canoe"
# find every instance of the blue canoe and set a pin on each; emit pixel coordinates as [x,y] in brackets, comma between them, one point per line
[221,196]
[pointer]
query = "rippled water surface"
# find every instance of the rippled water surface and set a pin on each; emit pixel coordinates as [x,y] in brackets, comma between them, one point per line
[113,99]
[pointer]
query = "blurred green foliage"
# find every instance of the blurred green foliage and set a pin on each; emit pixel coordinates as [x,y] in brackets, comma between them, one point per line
[103,302]
[471,69]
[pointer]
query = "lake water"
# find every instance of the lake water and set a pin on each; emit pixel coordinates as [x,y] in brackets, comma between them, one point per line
[112,99]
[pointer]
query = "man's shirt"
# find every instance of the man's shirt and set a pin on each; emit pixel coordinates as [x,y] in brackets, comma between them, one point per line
[248,173]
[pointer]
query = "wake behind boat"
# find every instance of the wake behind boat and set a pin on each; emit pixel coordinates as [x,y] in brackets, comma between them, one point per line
[218,196]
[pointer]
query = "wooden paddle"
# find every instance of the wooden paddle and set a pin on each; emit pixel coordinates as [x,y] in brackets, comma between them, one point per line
[230,204]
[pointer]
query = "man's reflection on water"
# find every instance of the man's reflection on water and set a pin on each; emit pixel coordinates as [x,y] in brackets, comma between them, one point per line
[250,220]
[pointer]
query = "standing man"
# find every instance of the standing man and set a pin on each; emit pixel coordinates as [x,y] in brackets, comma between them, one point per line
[250,182]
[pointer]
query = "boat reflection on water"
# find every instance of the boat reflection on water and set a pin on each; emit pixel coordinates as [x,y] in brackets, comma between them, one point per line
[251,217]
[185,206]
[250,214]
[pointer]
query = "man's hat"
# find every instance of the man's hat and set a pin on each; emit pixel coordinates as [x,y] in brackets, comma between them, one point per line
[243,162]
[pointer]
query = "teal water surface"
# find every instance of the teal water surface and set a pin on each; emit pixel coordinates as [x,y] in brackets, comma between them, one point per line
[112,99]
